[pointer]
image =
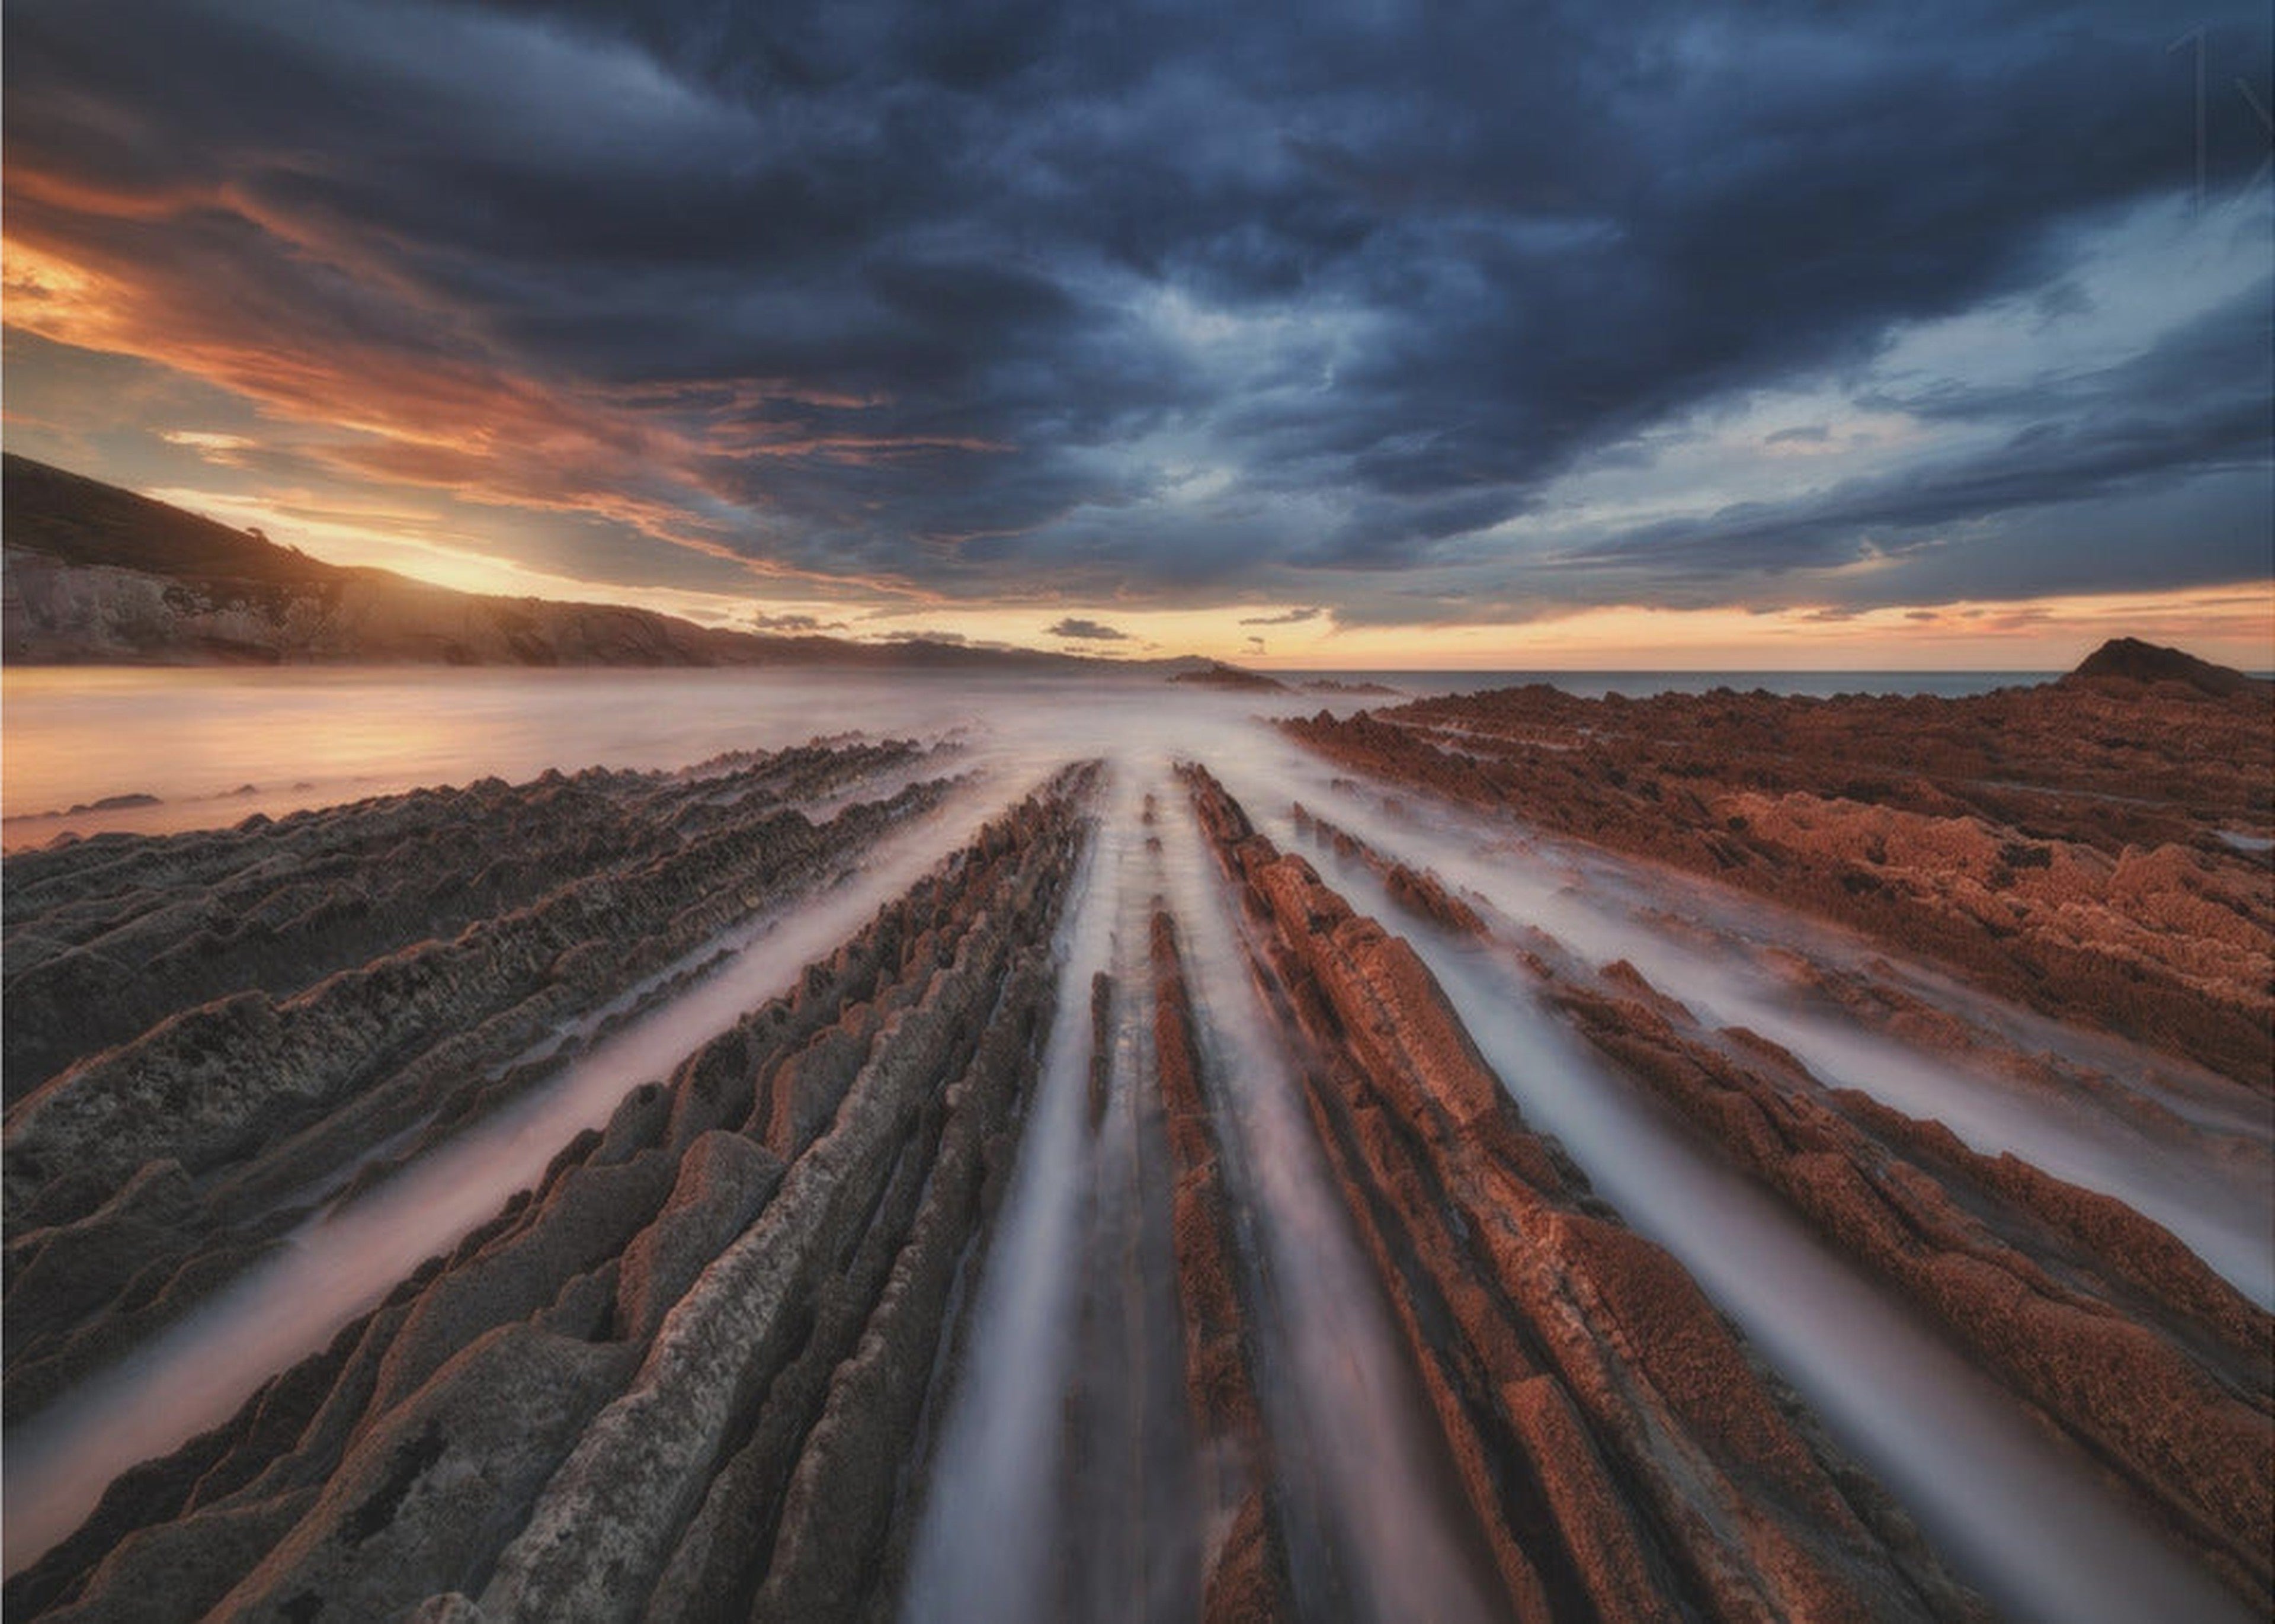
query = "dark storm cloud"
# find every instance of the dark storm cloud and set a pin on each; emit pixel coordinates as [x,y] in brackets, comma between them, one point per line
[1087,630]
[2193,405]
[950,295]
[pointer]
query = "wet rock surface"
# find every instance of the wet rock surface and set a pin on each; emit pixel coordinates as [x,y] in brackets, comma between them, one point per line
[1623,1454]
[106,937]
[1244,1560]
[2090,1313]
[675,1378]
[2101,1324]
[477,927]
[1123,1200]
[2094,848]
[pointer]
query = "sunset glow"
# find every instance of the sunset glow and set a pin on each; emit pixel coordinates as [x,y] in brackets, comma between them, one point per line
[1011,812]
[862,416]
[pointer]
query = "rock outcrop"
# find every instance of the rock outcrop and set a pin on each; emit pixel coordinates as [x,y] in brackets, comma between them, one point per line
[1216,674]
[1245,1570]
[2094,1316]
[2129,659]
[678,1379]
[292,994]
[2095,849]
[1624,1453]
[2102,1324]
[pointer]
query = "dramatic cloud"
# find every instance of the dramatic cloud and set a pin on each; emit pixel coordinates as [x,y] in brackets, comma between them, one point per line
[1405,314]
[1088,630]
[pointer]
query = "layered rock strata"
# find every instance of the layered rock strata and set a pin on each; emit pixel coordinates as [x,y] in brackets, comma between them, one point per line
[105,937]
[2095,1317]
[678,1378]
[1243,1560]
[2095,849]
[2100,1323]
[1622,1452]
[146,1174]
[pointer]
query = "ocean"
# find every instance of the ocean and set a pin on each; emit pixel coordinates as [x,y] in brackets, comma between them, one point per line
[85,750]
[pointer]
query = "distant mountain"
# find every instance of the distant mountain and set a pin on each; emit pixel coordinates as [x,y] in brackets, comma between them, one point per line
[93,574]
[2131,660]
[1216,674]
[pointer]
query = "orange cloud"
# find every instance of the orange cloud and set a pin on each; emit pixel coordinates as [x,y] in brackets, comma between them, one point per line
[160,275]
[87,268]
[2236,627]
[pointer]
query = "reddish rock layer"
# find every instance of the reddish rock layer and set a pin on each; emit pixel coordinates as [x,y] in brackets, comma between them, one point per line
[1244,1565]
[1419,890]
[1623,1454]
[2061,845]
[2095,1316]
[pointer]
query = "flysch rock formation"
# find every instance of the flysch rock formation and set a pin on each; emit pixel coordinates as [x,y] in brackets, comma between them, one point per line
[237,1018]
[2094,847]
[727,1356]
[679,1378]
[1244,1574]
[1623,1452]
[2101,1324]
[105,937]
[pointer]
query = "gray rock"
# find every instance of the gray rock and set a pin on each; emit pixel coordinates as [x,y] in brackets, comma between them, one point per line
[422,1498]
[175,1572]
[724,1179]
[589,1217]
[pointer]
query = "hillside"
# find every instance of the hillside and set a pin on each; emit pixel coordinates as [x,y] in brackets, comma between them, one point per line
[2132,661]
[93,574]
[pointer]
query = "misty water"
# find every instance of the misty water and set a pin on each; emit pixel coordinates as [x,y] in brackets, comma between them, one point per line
[213,745]
[2010,1509]
[2015,1509]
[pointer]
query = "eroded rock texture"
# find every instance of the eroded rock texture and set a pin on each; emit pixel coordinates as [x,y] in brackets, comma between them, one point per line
[705,1366]
[1623,1452]
[2093,1315]
[106,937]
[1244,1562]
[2100,1322]
[2094,848]
[285,997]
[677,1380]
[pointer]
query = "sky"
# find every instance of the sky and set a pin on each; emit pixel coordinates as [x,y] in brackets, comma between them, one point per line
[1343,335]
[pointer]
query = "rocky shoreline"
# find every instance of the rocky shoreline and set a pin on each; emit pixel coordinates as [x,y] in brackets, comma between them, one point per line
[2072,846]
[717,1315]
[140,1177]
[1167,1193]
[1623,1452]
[2109,1330]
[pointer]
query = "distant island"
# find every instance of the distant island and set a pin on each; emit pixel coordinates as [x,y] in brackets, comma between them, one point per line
[1216,674]
[96,575]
